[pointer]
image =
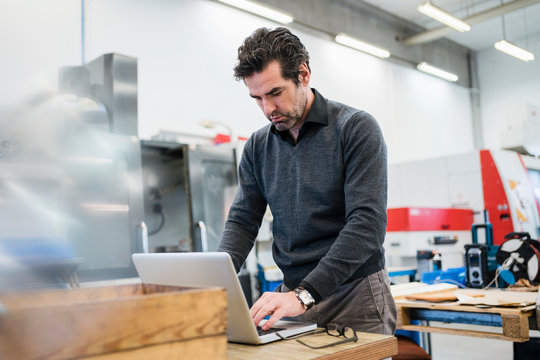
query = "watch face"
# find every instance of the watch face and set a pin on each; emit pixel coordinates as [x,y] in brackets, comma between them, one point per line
[305,297]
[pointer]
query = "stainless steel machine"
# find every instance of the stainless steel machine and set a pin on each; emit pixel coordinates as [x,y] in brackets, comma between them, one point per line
[71,179]
[188,190]
[108,175]
[72,196]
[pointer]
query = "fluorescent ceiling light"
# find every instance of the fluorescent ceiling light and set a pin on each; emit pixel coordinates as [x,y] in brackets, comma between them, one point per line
[446,18]
[430,69]
[362,46]
[260,10]
[514,50]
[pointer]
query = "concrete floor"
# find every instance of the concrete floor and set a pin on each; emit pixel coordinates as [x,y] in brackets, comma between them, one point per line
[453,347]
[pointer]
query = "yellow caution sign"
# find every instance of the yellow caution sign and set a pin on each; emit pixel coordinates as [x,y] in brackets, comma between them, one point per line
[521,217]
[513,184]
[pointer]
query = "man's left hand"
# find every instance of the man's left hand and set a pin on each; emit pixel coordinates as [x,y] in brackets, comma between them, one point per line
[277,305]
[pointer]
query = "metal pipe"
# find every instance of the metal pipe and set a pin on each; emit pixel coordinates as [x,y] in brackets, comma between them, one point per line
[434,34]
[204,236]
[83,33]
[144,236]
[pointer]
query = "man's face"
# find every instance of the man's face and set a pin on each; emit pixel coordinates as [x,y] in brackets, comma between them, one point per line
[281,100]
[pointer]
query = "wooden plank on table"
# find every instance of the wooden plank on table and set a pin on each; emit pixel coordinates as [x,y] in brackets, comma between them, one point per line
[206,348]
[399,291]
[368,347]
[66,324]
[442,296]
[513,320]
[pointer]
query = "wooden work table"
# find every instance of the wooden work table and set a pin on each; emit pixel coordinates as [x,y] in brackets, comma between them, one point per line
[368,346]
[515,322]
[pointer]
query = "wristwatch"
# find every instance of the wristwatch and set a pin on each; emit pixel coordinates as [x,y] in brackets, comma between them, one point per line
[304,297]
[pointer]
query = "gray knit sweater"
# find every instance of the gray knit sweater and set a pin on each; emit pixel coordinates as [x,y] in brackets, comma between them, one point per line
[327,194]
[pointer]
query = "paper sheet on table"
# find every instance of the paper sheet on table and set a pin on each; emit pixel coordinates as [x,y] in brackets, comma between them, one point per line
[400,291]
[494,297]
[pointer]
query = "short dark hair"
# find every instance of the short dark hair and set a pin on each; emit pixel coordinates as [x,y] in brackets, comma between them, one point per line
[264,46]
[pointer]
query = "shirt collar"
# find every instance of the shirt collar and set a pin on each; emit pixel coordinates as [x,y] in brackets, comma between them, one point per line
[318,113]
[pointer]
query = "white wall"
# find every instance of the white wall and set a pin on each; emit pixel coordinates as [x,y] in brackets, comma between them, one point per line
[36,38]
[507,85]
[186,50]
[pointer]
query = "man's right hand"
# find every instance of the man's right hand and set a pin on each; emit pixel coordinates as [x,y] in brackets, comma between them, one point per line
[277,305]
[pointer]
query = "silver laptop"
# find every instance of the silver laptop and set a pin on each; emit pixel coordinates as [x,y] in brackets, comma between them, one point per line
[206,269]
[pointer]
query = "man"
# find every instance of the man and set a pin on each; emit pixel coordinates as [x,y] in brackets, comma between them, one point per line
[321,167]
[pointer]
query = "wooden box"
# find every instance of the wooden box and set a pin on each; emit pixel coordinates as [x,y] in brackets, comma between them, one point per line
[135,321]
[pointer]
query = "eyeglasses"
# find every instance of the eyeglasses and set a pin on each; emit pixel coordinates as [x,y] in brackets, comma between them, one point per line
[331,329]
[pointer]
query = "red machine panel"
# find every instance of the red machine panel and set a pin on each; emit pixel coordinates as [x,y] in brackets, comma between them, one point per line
[429,219]
[495,200]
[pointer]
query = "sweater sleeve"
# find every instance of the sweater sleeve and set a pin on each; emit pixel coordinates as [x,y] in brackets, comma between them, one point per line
[365,190]
[245,214]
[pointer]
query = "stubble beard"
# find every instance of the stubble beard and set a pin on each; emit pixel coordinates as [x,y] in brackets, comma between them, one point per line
[291,118]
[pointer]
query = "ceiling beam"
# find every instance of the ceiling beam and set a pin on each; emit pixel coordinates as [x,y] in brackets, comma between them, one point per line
[433,34]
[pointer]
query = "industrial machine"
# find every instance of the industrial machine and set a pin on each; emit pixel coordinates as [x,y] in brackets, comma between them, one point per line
[433,196]
[430,230]
[70,178]
[110,228]
[80,192]
[188,190]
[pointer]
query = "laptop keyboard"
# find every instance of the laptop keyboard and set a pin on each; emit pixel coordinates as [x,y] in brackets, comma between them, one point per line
[261,332]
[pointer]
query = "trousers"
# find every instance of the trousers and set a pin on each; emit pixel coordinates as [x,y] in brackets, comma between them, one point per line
[364,304]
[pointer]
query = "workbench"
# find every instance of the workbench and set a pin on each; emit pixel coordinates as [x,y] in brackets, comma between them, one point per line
[515,322]
[369,346]
[143,321]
